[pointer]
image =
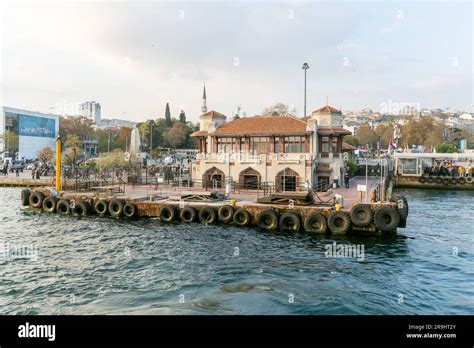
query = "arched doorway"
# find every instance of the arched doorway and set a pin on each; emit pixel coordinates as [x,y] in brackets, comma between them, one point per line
[213,178]
[249,179]
[287,180]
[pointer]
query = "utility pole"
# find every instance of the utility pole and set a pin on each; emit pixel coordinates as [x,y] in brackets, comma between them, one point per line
[305,67]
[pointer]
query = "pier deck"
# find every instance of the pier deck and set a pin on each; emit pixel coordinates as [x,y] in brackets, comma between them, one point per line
[287,212]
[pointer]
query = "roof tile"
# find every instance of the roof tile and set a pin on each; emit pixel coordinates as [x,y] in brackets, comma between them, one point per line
[263,125]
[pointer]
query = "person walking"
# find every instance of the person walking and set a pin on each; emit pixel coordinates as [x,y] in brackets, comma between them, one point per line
[17,171]
[5,169]
[33,172]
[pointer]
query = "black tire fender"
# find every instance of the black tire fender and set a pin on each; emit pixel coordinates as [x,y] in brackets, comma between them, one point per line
[36,199]
[188,214]
[361,215]
[225,214]
[386,218]
[116,207]
[242,217]
[101,207]
[25,197]
[316,223]
[402,209]
[339,222]
[268,220]
[130,210]
[82,208]
[63,207]
[207,215]
[290,222]
[168,213]
[49,204]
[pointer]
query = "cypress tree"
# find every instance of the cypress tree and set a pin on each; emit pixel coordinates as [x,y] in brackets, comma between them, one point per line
[167,115]
[182,117]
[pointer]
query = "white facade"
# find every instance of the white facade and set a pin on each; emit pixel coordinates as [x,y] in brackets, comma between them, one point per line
[35,130]
[318,160]
[92,110]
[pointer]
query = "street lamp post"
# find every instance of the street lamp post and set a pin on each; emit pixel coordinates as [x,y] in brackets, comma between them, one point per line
[305,67]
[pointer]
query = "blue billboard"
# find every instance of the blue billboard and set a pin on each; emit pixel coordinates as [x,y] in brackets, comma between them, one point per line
[33,126]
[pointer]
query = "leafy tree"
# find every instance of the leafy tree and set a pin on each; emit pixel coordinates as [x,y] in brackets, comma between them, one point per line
[72,140]
[72,151]
[146,129]
[351,140]
[278,109]
[366,135]
[425,131]
[168,116]
[182,117]
[80,126]
[114,160]
[46,154]
[175,136]
[352,167]
[445,148]
[9,140]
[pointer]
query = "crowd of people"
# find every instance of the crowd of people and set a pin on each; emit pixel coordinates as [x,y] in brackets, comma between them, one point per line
[450,168]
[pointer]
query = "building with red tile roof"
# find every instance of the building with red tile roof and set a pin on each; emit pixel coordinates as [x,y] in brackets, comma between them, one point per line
[285,152]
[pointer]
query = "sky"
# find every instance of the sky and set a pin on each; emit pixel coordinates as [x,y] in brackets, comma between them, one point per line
[134,57]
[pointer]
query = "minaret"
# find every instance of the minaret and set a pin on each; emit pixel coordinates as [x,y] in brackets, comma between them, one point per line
[204,107]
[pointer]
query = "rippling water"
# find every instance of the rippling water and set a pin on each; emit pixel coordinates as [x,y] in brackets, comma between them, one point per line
[102,266]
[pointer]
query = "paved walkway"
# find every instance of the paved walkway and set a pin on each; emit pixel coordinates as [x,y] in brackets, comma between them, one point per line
[351,195]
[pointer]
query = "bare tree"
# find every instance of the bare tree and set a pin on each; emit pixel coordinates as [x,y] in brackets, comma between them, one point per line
[279,109]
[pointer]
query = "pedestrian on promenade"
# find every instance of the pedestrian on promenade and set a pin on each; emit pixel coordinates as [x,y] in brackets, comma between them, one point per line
[17,171]
[33,170]
[5,169]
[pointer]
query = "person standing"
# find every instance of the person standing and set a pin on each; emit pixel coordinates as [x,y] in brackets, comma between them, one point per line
[33,172]
[5,169]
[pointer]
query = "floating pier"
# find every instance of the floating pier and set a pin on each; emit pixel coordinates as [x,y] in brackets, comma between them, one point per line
[285,211]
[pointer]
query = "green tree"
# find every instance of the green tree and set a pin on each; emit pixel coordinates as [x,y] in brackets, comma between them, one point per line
[175,136]
[352,167]
[113,160]
[182,117]
[147,129]
[366,135]
[424,131]
[9,139]
[80,126]
[72,151]
[445,148]
[351,140]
